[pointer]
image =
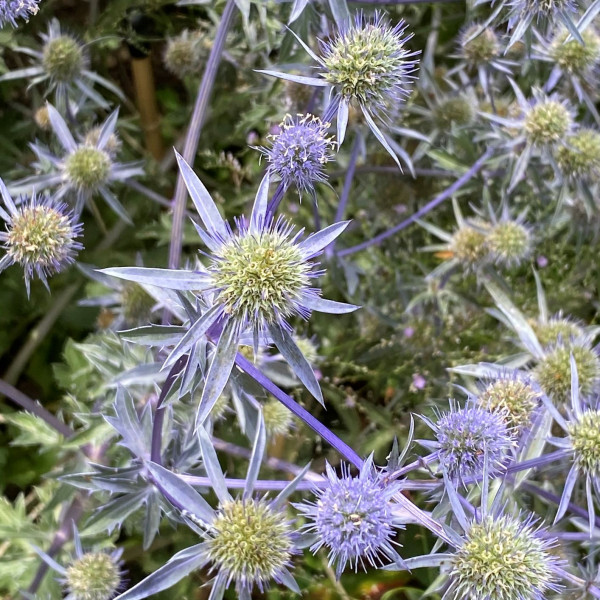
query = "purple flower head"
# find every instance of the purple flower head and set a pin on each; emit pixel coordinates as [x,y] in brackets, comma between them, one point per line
[300,151]
[11,10]
[353,518]
[40,236]
[469,437]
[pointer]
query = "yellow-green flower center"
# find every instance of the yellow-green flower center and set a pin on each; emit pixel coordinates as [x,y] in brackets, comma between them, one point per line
[260,277]
[40,236]
[573,56]
[579,156]
[62,58]
[511,397]
[585,441]
[547,122]
[500,559]
[87,168]
[94,576]
[250,541]
[482,48]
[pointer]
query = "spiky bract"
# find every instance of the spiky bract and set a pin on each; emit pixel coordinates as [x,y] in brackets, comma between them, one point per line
[503,558]
[250,542]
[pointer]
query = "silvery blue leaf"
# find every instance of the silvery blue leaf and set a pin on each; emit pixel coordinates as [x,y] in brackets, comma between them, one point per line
[154,335]
[60,128]
[211,465]
[316,242]
[296,78]
[327,306]
[167,278]
[258,451]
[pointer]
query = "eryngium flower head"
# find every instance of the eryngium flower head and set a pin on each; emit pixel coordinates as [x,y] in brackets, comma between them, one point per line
[573,57]
[503,558]
[40,236]
[547,122]
[579,156]
[368,63]
[278,418]
[300,151]
[183,54]
[517,400]
[469,244]
[509,242]
[93,576]
[11,10]
[259,276]
[250,542]
[553,372]
[557,330]
[466,436]
[454,110]
[353,519]
[479,49]
[63,58]
[584,436]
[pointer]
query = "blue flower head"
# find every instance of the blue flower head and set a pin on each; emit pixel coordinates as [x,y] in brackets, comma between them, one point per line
[40,236]
[352,517]
[469,437]
[11,10]
[300,151]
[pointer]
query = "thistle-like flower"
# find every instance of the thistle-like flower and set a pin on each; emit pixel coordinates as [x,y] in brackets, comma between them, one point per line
[547,122]
[469,438]
[278,418]
[353,518]
[40,236]
[11,10]
[367,64]
[63,64]
[572,56]
[93,575]
[504,558]
[509,242]
[479,46]
[87,168]
[258,277]
[553,372]
[579,156]
[183,54]
[514,398]
[300,151]
[558,330]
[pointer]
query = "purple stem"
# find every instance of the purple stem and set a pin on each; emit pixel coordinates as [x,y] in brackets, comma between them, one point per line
[275,200]
[447,193]
[159,415]
[193,135]
[540,461]
[300,412]
[343,203]
[33,407]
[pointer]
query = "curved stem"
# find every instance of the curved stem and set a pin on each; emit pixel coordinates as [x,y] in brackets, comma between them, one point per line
[196,123]
[300,412]
[275,200]
[447,193]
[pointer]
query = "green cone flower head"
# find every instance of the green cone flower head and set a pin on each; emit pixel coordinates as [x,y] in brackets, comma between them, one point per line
[87,168]
[509,242]
[574,57]
[63,58]
[584,435]
[368,62]
[278,418]
[557,330]
[504,559]
[454,110]
[553,373]
[93,576]
[469,244]
[579,156]
[547,122]
[514,398]
[250,542]
[183,54]
[479,49]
